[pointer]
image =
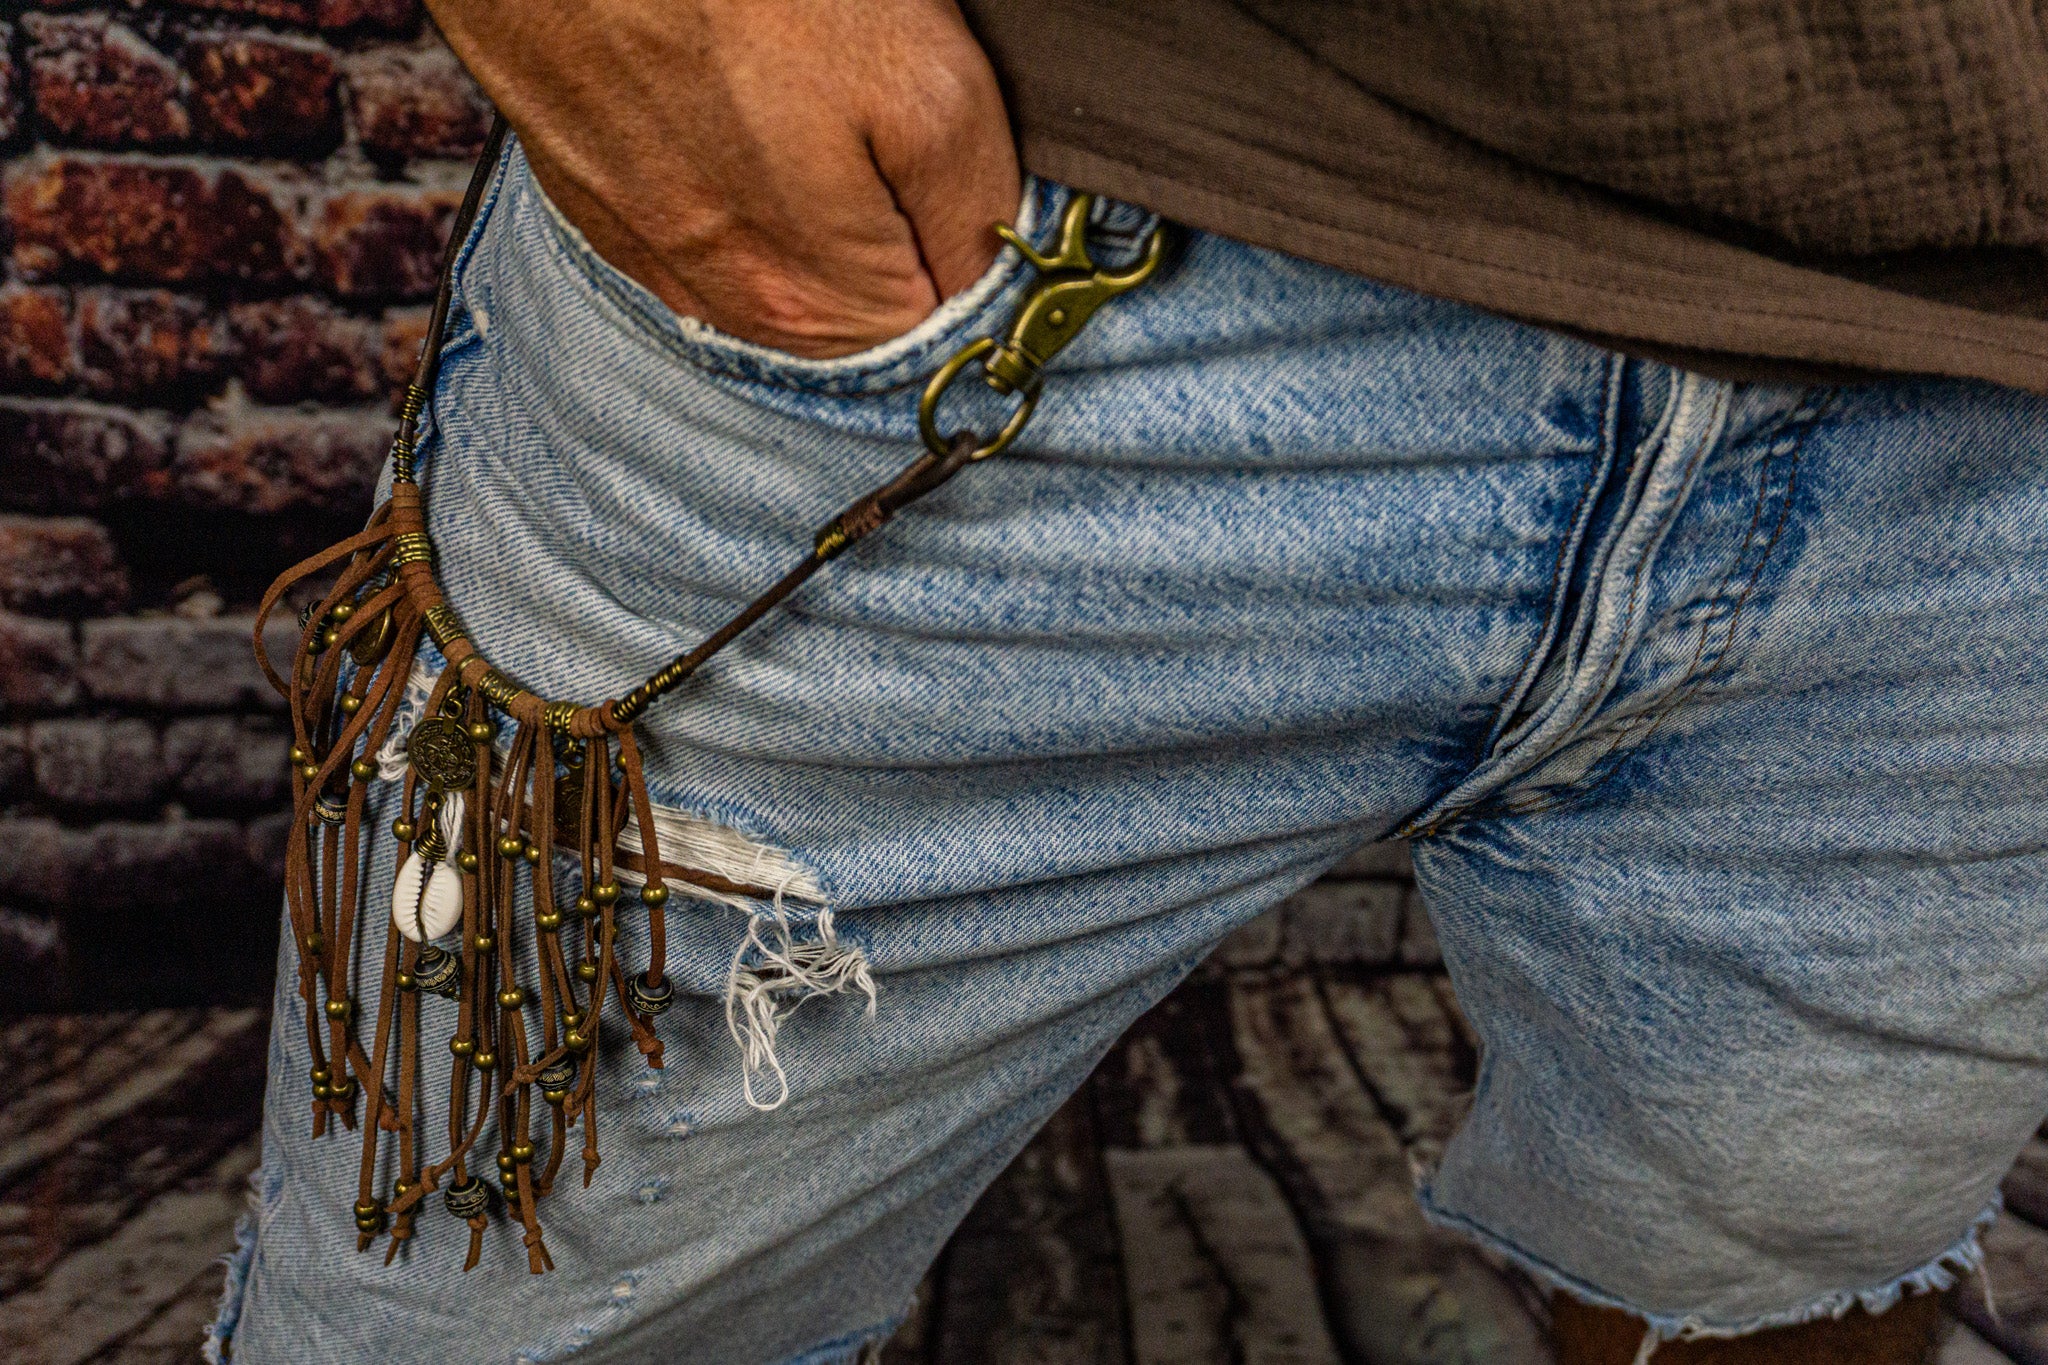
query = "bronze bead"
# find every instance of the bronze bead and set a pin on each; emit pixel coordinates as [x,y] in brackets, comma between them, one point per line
[339,1009]
[321,1075]
[343,1088]
[532,852]
[511,997]
[585,906]
[482,731]
[575,1041]
[485,1060]
[586,971]
[351,703]
[363,768]
[329,638]
[506,1163]
[467,861]
[484,943]
[462,1047]
[509,845]
[653,895]
[320,1091]
[310,771]
[315,942]
[548,919]
[298,755]
[522,1152]
[403,830]
[604,893]
[343,610]
[406,981]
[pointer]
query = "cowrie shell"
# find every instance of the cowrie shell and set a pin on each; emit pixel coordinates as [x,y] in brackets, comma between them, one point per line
[426,912]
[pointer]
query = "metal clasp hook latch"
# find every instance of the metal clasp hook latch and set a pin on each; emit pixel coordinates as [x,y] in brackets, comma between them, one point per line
[1068,291]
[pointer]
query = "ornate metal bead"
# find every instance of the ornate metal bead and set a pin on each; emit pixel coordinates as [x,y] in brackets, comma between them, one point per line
[646,999]
[371,642]
[442,753]
[439,972]
[331,809]
[556,1080]
[410,547]
[468,1198]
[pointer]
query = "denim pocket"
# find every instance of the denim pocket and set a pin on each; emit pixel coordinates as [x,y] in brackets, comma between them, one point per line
[894,364]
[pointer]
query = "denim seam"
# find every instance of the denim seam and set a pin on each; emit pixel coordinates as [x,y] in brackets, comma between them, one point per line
[1941,1271]
[1568,548]
[1704,664]
[1646,558]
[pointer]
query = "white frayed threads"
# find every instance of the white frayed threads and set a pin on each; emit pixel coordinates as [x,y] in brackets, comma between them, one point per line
[785,957]
[1651,1341]
[419,690]
[722,851]
[773,973]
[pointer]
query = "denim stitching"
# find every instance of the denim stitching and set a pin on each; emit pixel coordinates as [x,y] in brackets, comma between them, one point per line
[1701,669]
[1490,803]
[1549,638]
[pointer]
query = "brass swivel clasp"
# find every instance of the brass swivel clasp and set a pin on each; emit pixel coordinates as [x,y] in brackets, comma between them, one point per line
[1069,288]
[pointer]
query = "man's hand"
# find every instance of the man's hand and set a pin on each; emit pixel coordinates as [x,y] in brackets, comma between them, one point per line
[813,175]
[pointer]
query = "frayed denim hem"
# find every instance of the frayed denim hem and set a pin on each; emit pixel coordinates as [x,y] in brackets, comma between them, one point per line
[215,1346]
[1962,1258]
[855,1348]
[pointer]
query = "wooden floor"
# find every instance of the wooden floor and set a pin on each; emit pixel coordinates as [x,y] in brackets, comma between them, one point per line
[1231,1187]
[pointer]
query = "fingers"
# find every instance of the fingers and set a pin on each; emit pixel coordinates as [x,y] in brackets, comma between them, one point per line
[803,174]
[945,148]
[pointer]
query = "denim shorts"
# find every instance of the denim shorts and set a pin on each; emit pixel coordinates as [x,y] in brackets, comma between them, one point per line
[1714,713]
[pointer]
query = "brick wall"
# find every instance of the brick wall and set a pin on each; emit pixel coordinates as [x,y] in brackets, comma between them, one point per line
[222,219]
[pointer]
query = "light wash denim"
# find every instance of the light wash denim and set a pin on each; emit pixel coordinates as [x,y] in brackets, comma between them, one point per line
[1715,713]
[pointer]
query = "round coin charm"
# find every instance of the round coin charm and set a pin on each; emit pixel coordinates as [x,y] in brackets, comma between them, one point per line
[442,753]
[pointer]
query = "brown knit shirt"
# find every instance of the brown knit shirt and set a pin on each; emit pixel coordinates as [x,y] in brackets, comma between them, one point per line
[1760,188]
